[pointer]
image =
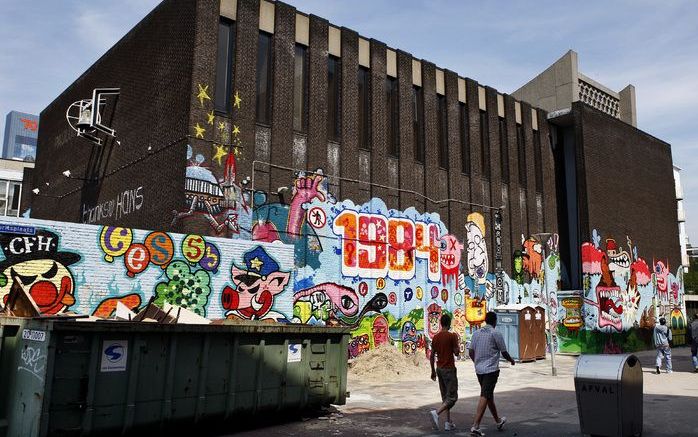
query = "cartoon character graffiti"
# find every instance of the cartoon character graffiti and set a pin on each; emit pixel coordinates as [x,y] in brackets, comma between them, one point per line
[661,275]
[35,261]
[608,296]
[255,287]
[325,302]
[477,247]
[288,223]
[359,345]
[380,331]
[532,257]
[618,259]
[433,319]
[450,258]
[409,338]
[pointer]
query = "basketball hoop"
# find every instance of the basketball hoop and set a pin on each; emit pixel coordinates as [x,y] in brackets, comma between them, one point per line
[85,116]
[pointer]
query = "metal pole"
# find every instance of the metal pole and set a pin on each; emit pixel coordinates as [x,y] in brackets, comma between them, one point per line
[543,239]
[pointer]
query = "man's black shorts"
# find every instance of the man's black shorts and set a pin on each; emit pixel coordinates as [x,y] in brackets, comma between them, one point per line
[487,383]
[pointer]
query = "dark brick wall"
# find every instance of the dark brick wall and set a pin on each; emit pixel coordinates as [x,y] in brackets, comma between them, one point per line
[152,66]
[629,185]
[169,53]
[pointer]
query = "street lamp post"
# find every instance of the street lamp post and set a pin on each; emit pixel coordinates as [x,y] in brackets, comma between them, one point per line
[543,238]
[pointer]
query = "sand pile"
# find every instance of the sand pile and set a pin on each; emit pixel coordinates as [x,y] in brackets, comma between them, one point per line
[387,363]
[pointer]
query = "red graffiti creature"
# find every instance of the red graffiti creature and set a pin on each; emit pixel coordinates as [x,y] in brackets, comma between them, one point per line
[255,287]
[451,250]
[380,331]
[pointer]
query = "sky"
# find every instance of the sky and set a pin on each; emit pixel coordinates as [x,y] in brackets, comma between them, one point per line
[46,44]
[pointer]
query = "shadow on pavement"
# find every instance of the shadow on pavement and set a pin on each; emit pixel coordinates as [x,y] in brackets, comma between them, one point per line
[530,412]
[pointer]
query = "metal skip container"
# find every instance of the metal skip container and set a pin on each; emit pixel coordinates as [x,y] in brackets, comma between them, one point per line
[61,378]
[609,394]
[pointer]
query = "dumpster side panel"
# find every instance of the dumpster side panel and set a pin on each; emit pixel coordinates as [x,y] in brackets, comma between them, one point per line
[25,359]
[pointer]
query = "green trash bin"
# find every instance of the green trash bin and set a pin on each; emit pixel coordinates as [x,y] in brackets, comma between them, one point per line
[64,378]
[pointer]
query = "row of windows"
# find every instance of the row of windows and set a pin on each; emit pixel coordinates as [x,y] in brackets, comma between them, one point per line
[224,72]
[10,196]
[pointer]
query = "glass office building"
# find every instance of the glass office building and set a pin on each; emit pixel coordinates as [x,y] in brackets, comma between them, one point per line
[21,133]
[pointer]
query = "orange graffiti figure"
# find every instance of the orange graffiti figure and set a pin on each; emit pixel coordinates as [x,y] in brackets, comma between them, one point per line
[107,307]
[533,257]
[475,310]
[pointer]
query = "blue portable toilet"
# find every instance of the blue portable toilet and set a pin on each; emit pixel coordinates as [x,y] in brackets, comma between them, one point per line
[523,329]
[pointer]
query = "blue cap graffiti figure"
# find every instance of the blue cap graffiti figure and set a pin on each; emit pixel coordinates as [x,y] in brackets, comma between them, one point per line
[256,284]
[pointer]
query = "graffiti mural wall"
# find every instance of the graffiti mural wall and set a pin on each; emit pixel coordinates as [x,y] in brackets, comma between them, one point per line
[624,294]
[308,258]
[88,269]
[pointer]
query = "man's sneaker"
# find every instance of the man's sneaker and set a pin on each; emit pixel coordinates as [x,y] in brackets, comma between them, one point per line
[695,370]
[476,431]
[434,419]
[658,372]
[669,371]
[449,426]
[500,424]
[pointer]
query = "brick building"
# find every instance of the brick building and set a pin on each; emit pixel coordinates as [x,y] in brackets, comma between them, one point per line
[221,104]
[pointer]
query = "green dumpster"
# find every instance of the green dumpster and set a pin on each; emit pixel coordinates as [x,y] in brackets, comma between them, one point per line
[60,377]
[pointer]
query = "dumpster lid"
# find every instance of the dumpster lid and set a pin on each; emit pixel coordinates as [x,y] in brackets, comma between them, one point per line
[604,366]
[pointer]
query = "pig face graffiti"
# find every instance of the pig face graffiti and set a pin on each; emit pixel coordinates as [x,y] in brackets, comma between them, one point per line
[256,285]
[34,261]
[477,248]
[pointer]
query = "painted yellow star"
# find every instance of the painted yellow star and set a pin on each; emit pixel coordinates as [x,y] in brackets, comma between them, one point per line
[238,100]
[203,94]
[236,130]
[221,126]
[199,131]
[220,154]
[211,117]
[256,263]
[236,151]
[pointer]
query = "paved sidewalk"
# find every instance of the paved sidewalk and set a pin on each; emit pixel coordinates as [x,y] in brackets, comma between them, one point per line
[535,403]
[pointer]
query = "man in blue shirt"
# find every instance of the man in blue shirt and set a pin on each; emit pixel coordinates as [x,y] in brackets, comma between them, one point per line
[485,348]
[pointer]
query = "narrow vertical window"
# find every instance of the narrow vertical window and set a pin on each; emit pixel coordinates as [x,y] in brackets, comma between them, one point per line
[521,148]
[392,116]
[333,98]
[504,149]
[300,89]
[442,117]
[484,145]
[363,81]
[538,156]
[224,65]
[264,75]
[464,139]
[418,122]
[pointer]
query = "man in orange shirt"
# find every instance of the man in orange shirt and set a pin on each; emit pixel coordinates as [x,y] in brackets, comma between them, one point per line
[444,346]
